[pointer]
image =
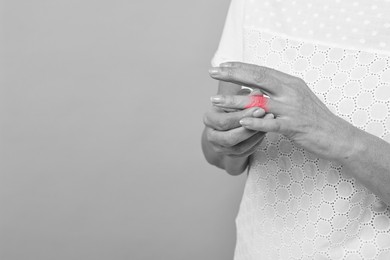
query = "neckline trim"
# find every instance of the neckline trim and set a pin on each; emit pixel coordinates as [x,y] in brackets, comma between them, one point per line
[320,43]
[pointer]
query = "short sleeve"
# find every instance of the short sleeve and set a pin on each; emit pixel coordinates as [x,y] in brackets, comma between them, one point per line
[231,43]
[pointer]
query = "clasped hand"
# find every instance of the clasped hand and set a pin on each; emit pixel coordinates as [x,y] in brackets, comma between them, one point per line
[299,114]
[225,133]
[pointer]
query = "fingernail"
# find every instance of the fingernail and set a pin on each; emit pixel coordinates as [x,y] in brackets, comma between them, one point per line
[255,112]
[258,112]
[249,112]
[213,71]
[217,99]
[270,116]
[246,121]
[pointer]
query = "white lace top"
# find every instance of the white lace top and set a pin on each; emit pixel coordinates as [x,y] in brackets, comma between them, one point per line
[295,205]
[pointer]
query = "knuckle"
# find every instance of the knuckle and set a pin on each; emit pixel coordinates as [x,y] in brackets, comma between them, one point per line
[214,121]
[230,72]
[225,98]
[259,75]
[219,138]
[218,149]
[231,100]
[226,141]
[232,140]
[221,124]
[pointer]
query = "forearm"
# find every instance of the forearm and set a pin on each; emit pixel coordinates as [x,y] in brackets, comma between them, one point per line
[369,162]
[232,165]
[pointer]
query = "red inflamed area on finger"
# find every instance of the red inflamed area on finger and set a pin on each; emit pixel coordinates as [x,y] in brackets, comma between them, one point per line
[258,101]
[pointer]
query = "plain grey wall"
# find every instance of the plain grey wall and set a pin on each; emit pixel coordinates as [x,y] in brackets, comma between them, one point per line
[101,117]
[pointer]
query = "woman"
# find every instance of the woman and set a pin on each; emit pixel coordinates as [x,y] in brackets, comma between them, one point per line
[316,144]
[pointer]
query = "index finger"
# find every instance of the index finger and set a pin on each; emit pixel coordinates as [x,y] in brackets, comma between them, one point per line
[240,102]
[245,102]
[269,80]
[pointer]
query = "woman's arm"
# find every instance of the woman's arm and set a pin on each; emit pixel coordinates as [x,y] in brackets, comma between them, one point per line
[367,158]
[303,118]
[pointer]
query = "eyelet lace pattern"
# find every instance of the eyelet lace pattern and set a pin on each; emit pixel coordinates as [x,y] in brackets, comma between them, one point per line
[298,206]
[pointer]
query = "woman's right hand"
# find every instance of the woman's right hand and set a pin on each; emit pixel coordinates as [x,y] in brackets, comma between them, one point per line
[227,136]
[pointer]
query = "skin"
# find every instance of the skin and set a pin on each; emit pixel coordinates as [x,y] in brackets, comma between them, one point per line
[304,119]
[258,101]
[225,143]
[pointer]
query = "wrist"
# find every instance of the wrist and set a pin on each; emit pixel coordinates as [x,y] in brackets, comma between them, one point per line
[351,144]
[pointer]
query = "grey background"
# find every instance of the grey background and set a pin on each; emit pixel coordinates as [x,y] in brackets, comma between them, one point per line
[101,116]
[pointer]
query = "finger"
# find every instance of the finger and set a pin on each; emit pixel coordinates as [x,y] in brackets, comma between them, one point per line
[267,79]
[244,91]
[245,148]
[259,113]
[244,102]
[253,145]
[257,101]
[226,121]
[262,124]
[229,110]
[269,116]
[232,101]
[229,138]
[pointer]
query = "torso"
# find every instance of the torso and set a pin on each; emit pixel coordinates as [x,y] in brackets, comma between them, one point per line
[295,205]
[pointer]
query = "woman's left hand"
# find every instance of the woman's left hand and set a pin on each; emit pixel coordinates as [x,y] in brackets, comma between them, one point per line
[299,114]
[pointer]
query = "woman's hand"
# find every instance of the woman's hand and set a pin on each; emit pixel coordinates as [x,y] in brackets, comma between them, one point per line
[300,115]
[227,136]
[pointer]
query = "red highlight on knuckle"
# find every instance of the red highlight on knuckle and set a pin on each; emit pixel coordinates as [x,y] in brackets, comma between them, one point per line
[258,101]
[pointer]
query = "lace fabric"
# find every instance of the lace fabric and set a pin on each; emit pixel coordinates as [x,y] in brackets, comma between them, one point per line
[296,205]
